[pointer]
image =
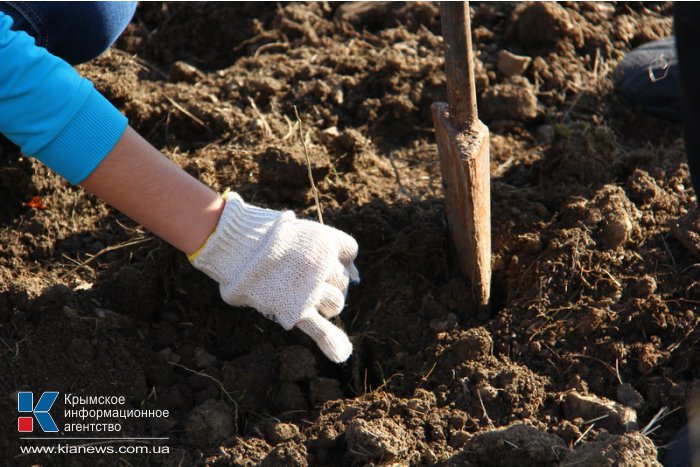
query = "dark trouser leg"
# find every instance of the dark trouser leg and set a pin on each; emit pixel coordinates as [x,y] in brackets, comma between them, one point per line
[687,32]
[74,31]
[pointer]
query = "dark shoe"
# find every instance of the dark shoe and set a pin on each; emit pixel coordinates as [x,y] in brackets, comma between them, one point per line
[678,452]
[648,76]
[684,448]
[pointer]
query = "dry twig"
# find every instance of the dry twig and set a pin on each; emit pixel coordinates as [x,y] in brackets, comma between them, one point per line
[267,130]
[103,251]
[196,119]
[308,166]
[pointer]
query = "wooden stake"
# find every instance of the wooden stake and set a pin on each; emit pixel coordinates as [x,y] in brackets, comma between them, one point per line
[463,144]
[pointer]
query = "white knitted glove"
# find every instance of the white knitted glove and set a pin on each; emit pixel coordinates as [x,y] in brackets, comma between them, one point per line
[295,272]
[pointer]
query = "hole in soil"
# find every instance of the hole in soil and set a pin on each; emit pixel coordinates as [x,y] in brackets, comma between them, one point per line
[362,373]
[499,293]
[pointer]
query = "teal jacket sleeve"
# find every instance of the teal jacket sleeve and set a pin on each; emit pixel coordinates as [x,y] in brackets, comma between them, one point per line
[50,111]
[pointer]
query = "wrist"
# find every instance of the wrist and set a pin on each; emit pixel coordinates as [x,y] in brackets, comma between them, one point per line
[242,228]
[201,233]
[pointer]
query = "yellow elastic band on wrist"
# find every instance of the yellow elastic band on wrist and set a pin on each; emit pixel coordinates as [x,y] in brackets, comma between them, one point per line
[193,256]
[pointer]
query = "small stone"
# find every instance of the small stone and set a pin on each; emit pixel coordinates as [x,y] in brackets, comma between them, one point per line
[510,64]
[616,231]
[182,71]
[358,13]
[210,423]
[331,131]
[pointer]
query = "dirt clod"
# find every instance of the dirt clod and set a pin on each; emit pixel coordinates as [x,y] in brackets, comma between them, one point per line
[627,395]
[377,440]
[644,287]
[286,454]
[607,449]
[286,171]
[277,432]
[517,444]
[541,23]
[210,422]
[609,414]
[473,344]
[290,397]
[618,217]
[687,232]
[513,100]
[203,359]
[296,363]
[323,389]
[642,187]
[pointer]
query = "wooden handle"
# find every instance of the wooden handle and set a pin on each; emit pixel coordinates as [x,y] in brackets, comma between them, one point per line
[459,64]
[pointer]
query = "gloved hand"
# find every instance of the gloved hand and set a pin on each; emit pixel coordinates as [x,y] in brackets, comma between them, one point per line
[295,272]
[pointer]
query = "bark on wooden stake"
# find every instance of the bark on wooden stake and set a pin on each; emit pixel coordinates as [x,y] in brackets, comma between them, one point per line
[463,143]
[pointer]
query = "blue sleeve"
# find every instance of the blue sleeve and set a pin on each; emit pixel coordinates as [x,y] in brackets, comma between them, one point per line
[51,112]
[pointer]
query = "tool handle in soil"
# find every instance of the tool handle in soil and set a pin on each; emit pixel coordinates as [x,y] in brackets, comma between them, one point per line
[459,63]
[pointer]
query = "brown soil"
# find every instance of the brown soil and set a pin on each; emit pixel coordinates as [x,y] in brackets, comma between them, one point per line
[595,298]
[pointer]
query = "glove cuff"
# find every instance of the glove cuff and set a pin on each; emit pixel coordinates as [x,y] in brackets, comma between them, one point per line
[241,229]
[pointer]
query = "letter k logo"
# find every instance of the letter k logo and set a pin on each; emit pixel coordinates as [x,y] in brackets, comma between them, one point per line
[25,403]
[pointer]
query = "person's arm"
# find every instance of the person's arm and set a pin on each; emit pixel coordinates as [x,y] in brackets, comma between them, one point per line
[58,117]
[50,111]
[294,271]
[148,187]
